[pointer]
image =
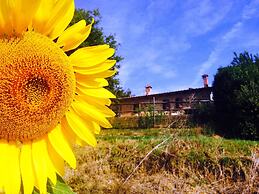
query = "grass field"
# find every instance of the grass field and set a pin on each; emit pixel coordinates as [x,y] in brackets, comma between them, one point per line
[165,161]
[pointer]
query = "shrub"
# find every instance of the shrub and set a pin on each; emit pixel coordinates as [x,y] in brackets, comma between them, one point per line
[236,97]
[124,122]
[145,122]
[204,116]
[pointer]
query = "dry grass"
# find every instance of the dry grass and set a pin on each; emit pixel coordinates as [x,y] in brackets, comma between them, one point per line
[187,163]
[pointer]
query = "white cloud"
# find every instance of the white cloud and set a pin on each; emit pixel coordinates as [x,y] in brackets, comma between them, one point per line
[161,70]
[162,47]
[215,55]
[124,74]
[251,10]
[169,74]
[157,36]
[178,44]
[199,18]
[229,38]
[159,7]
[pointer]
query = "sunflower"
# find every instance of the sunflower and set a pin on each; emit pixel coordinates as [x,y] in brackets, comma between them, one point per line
[49,100]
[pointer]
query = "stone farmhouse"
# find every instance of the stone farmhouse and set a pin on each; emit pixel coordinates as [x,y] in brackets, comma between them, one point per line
[169,103]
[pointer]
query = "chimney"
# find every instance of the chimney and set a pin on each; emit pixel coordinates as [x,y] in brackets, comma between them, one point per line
[148,89]
[205,80]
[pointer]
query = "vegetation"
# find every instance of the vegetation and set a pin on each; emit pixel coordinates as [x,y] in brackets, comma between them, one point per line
[236,97]
[97,37]
[186,162]
[149,121]
[204,115]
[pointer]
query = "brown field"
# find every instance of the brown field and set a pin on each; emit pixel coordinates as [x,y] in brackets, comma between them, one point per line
[135,161]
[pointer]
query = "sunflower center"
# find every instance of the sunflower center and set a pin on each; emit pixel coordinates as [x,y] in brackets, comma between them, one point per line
[37,86]
[37,89]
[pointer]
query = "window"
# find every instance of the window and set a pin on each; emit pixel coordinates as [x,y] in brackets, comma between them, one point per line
[166,105]
[135,108]
[178,103]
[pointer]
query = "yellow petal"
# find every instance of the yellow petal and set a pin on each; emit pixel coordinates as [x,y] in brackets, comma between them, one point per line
[97,128]
[80,128]
[104,74]
[26,9]
[27,173]
[72,37]
[11,12]
[87,111]
[68,132]
[5,19]
[42,16]
[97,68]
[52,17]
[12,175]
[91,56]
[61,16]
[39,153]
[3,152]
[61,146]
[93,83]
[105,111]
[2,23]
[103,82]
[95,92]
[57,161]
[93,127]
[97,104]
[51,169]
[6,16]
[99,101]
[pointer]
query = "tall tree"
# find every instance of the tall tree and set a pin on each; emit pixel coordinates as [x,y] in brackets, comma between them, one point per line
[97,37]
[236,97]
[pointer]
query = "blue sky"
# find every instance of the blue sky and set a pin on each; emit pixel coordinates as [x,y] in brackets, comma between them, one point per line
[171,43]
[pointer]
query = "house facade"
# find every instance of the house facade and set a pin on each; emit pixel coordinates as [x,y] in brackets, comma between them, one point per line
[170,103]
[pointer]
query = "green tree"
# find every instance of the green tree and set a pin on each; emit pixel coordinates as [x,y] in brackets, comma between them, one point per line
[97,37]
[236,97]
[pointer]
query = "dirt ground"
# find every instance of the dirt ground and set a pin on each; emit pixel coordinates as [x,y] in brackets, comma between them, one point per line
[165,161]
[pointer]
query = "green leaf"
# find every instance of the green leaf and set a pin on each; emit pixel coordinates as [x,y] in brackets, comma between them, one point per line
[60,188]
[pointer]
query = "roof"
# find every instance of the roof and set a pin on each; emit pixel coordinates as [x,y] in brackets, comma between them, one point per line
[173,92]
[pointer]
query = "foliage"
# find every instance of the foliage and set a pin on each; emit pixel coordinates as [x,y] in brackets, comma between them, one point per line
[97,37]
[204,115]
[180,121]
[147,117]
[60,187]
[236,97]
